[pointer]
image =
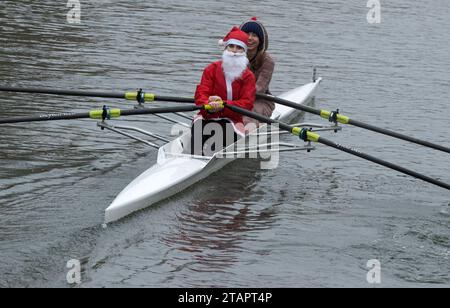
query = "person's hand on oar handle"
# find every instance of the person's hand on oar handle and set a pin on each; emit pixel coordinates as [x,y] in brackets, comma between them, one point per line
[216,104]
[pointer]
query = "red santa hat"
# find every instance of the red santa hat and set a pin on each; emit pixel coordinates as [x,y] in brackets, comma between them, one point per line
[236,37]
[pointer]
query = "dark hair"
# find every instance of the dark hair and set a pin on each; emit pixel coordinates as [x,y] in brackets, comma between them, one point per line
[256,27]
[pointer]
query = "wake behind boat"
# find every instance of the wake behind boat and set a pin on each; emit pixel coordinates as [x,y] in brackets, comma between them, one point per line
[176,170]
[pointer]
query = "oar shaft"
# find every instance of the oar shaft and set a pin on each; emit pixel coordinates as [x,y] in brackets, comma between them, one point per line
[316,138]
[150,97]
[45,117]
[398,135]
[346,120]
[63,92]
[259,117]
[288,103]
[384,163]
[176,99]
[144,111]
[97,114]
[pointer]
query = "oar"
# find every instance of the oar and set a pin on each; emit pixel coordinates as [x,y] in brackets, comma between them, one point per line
[307,135]
[139,96]
[142,97]
[104,113]
[335,116]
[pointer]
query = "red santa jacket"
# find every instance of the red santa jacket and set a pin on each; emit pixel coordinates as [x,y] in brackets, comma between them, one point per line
[213,83]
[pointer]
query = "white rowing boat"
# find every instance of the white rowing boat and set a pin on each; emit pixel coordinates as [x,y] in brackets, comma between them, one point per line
[175,170]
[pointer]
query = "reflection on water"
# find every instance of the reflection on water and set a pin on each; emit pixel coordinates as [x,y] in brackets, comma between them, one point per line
[213,231]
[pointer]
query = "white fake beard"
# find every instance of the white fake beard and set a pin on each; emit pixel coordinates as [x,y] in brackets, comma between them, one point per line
[234,64]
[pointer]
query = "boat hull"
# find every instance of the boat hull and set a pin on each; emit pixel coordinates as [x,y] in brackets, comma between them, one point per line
[175,171]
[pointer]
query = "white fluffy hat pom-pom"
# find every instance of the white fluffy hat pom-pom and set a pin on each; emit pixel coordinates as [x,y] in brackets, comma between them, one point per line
[221,42]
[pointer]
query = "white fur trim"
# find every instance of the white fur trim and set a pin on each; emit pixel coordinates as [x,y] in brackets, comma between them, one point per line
[237,42]
[229,83]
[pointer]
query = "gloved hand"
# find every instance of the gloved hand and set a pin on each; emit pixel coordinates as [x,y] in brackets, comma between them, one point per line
[214,98]
[216,104]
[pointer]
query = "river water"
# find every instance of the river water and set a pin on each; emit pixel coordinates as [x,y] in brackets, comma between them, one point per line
[315,220]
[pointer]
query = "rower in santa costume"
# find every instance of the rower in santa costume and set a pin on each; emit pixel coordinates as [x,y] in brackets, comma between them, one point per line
[227,81]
